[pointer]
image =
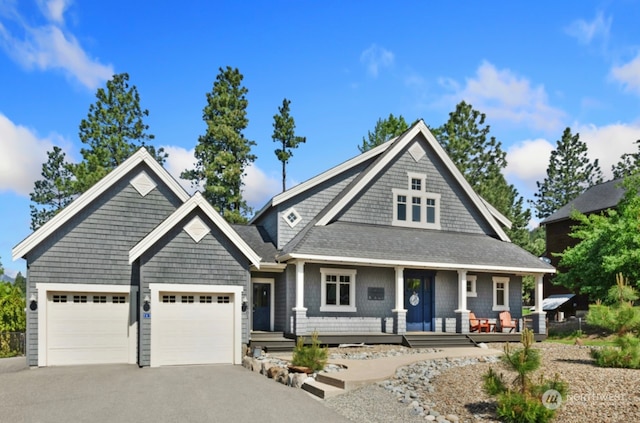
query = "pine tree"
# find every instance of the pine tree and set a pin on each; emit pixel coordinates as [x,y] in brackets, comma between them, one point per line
[284,133]
[384,130]
[113,130]
[54,192]
[628,164]
[569,174]
[223,153]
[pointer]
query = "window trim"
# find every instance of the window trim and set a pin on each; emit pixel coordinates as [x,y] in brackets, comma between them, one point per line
[326,271]
[409,194]
[496,281]
[473,292]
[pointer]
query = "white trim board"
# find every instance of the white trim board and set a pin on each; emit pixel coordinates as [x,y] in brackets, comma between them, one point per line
[272,302]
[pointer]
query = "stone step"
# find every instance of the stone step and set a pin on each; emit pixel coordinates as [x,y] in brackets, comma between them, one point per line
[321,390]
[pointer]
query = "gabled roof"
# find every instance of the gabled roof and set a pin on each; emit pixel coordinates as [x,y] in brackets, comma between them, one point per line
[395,148]
[596,198]
[259,241]
[197,201]
[140,156]
[324,176]
[366,244]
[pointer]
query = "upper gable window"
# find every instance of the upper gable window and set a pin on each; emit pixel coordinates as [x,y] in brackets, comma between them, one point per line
[292,217]
[414,206]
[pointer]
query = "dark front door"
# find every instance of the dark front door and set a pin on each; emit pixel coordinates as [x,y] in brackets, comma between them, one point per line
[418,301]
[262,306]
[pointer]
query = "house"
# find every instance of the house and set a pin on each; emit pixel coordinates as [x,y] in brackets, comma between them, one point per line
[595,199]
[392,241]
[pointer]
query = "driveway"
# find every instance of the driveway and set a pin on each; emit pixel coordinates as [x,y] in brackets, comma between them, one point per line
[127,393]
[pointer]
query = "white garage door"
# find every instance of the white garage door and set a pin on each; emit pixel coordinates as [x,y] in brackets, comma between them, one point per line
[87,328]
[193,328]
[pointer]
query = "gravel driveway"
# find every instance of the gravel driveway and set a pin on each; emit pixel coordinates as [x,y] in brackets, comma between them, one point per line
[126,393]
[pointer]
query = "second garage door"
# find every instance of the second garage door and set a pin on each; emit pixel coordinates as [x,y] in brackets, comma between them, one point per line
[193,328]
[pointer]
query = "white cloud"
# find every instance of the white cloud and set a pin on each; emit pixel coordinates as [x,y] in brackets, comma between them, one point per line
[628,74]
[22,154]
[503,95]
[528,161]
[608,143]
[258,186]
[48,46]
[585,32]
[376,57]
[54,9]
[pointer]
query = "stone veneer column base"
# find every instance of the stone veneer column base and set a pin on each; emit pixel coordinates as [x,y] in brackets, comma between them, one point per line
[399,322]
[462,321]
[300,326]
[539,322]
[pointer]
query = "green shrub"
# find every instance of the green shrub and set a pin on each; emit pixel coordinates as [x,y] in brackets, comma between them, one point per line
[625,355]
[515,407]
[494,383]
[312,356]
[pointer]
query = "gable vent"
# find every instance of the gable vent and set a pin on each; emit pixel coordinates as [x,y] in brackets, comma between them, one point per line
[416,151]
[196,229]
[143,183]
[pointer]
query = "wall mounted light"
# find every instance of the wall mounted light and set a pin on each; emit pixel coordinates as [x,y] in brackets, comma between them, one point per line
[245,305]
[33,302]
[147,305]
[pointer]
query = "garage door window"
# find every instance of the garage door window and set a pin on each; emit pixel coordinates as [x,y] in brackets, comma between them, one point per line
[99,298]
[187,298]
[224,299]
[168,298]
[80,299]
[206,299]
[118,299]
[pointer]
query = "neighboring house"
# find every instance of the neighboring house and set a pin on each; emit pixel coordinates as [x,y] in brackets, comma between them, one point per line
[595,199]
[391,241]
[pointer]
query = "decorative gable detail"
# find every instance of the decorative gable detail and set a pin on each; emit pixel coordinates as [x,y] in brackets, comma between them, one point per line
[292,217]
[416,151]
[143,183]
[196,229]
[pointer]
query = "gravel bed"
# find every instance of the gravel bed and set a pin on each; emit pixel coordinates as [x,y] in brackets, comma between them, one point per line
[446,390]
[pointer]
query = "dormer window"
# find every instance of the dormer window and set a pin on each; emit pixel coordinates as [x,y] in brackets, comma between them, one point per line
[424,211]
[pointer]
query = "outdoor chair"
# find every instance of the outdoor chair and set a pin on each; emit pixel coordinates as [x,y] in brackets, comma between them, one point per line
[507,322]
[475,324]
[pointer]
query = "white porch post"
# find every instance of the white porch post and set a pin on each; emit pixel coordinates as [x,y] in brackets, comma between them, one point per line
[399,313]
[462,314]
[300,286]
[299,311]
[539,316]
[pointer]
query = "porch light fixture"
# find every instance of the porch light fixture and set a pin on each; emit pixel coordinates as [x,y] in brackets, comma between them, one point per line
[33,302]
[146,306]
[245,306]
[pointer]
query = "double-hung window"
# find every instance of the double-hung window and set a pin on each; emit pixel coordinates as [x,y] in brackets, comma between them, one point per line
[471,286]
[338,290]
[414,206]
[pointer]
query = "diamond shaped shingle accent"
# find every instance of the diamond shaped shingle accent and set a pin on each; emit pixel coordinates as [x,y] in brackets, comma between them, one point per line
[143,183]
[416,151]
[196,229]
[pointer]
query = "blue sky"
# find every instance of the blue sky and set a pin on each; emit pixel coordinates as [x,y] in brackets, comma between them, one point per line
[534,69]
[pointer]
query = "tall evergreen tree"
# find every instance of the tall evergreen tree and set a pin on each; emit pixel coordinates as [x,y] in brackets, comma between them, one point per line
[629,164]
[113,130]
[384,130]
[481,160]
[223,153]
[284,133]
[569,174]
[52,193]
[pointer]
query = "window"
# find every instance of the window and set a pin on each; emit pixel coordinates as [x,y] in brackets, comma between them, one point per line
[338,290]
[224,299]
[206,299]
[425,206]
[59,298]
[471,286]
[187,298]
[80,299]
[99,298]
[118,299]
[500,293]
[292,217]
[168,298]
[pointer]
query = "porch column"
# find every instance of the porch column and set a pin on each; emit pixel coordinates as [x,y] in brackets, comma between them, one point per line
[462,314]
[399,313]
[299,311]
[539,316]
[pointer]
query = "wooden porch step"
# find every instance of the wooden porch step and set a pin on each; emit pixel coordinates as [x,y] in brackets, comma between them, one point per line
[271,342]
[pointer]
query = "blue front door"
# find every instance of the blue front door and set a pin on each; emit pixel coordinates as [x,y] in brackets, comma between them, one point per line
[261,306]
[418,301]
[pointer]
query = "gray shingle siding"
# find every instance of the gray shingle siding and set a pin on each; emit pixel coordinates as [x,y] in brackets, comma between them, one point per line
[375,203]
[177,259]
[93,247]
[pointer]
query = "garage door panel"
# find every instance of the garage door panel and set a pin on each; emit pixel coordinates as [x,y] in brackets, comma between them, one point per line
[87,332]
[193,332]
